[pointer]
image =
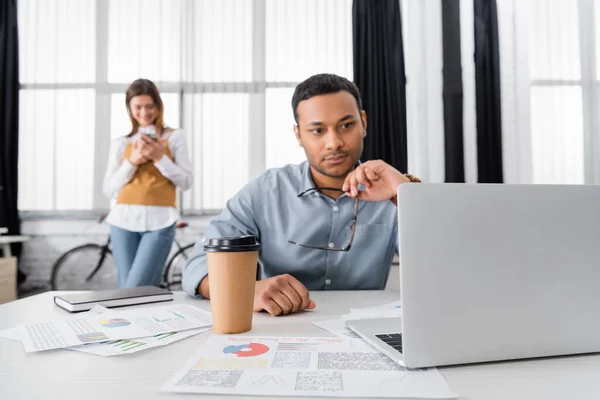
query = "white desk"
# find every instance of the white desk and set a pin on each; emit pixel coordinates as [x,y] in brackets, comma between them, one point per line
[67,375]
[5,242]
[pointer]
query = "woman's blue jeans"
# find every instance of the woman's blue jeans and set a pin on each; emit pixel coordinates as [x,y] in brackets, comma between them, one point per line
[140,256]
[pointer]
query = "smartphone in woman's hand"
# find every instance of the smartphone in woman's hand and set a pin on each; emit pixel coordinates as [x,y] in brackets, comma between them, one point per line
[152,136]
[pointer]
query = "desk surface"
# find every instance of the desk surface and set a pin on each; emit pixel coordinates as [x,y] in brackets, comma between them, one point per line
[66,374]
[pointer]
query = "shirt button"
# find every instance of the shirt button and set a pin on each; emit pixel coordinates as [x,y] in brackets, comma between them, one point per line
[331,245]
[335,208]
[328,281]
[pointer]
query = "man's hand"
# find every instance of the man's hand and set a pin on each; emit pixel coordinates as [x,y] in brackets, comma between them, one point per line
[136,157]
[282,294]
[152,150]
[380,180]
[204,288]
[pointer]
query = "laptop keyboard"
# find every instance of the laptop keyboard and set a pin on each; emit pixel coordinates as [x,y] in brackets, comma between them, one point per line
[392,339]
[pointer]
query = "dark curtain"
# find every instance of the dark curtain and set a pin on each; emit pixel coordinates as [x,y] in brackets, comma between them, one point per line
[487,90]
[9,120]
[379,74]
[452,92]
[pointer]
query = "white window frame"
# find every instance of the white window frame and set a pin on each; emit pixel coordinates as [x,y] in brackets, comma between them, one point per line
[104,90]
[517,85]
[589,90]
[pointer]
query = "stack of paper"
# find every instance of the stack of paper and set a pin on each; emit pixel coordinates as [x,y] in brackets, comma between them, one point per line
[392,309]
[108,332]
[338,326]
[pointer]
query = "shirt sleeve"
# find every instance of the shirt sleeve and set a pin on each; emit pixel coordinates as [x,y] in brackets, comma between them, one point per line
[238,218]
[118,173]
[178,170]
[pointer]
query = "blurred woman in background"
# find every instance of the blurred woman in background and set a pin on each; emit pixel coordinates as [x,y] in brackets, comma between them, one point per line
[144,169]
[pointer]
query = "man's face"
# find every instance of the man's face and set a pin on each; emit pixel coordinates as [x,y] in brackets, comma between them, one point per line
[331,130]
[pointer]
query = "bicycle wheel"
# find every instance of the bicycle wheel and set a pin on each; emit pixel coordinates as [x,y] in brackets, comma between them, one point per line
[74,270]
[175,266]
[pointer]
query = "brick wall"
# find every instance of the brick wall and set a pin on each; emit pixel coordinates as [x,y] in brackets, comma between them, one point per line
[52,237]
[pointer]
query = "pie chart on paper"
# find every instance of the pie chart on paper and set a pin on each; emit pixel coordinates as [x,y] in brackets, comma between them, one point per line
[246,349]
[114,322]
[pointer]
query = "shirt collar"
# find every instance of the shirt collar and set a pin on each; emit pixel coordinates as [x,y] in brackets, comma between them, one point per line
[306,180]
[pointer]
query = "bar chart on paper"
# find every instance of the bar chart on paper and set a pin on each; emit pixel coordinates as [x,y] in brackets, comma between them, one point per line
[125,345]
[173,316]
[129,346]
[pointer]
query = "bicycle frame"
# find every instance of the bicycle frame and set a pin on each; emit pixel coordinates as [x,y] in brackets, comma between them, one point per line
[105,251]
[179,246]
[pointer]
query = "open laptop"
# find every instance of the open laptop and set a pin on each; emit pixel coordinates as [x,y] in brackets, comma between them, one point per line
[493,272]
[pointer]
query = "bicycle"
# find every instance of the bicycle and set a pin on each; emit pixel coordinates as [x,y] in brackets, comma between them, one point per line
[80,268]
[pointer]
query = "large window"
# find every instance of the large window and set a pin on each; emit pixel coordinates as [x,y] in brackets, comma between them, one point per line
[563,95]
[226,70]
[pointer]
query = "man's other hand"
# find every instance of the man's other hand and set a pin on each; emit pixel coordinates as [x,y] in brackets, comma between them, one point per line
[281,295]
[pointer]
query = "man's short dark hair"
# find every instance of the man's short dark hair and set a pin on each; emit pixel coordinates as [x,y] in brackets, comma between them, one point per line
[320,84]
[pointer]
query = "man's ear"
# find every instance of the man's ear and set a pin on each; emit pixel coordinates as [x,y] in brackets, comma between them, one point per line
[297,132]
[363,117]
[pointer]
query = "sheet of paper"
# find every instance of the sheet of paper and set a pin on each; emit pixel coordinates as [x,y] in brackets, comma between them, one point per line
[337,327]
[373,314]
[301,366]
[12,334]
[128,346]
[112,325]
[99,309]
[387,306]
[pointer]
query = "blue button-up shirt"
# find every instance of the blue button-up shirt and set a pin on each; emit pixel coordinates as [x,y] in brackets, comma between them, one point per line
[269,208]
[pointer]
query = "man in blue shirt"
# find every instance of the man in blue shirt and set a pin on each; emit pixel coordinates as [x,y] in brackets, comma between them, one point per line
[326,224]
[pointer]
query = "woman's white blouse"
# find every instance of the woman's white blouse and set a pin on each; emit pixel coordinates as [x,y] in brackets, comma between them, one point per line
[141,218]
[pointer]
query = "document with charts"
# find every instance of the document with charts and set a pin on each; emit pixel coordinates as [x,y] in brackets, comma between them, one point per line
[136,323]
[129,346]
[301,366]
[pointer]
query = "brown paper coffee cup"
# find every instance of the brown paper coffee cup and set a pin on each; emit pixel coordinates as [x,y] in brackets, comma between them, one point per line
[232,266]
